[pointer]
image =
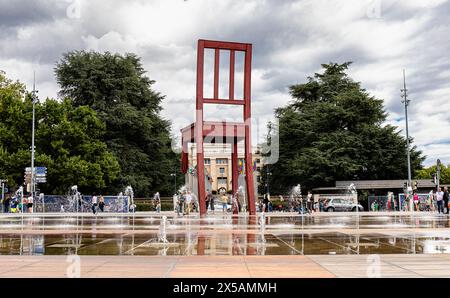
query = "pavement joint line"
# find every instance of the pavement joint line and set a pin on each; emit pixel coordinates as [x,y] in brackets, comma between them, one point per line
[23,266]
[293,248]
[171,267]
[398,266]
[322,266]
[93,244]
[388,244]
[334,243]
[128,252]
[98,266]
[246,266]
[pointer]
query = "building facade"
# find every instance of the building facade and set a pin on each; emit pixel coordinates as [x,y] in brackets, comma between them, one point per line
[218,164]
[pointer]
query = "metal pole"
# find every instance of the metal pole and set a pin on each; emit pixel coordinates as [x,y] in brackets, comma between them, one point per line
[438,173]
[3,194]
[406,102]
[32,188]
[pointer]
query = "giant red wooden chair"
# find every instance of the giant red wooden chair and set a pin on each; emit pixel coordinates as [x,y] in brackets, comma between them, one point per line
[202,131]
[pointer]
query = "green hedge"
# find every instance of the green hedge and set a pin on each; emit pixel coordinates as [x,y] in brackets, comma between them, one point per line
[148,206]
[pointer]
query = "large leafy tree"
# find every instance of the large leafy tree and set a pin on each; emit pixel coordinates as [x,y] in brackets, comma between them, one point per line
[333,130]
[426,173]
[116,87]
[68,142]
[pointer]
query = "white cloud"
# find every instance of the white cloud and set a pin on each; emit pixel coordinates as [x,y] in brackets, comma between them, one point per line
[291,39]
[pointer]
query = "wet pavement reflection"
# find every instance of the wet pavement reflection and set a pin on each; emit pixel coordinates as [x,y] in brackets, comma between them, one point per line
[225,235]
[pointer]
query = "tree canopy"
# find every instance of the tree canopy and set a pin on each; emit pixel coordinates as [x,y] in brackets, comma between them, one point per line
[115,86]
[68,142]
[426,173]
[334,130]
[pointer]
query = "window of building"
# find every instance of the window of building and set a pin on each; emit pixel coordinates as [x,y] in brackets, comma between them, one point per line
[258,160]
[222,161]
[222,170]
[222,180]
[207,161]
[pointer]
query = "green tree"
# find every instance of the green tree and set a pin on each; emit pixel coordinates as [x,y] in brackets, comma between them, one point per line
[333,130]
[116,87]
[426,173]
[68,142]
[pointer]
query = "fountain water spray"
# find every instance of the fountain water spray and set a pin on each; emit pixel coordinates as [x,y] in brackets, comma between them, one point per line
[75,199]
[162,235]
[351,190]
[295,198]
[130,194]
[238,199]
[262,222]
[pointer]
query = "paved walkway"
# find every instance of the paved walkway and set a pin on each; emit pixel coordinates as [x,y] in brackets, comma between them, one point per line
[325,266]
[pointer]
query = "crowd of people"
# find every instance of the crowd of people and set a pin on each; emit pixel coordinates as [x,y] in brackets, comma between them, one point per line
[185,202]
[17,204]
[435,201]
[97,204]
[292,204]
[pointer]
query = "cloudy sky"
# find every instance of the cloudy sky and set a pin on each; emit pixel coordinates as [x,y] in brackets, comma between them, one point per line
[290,39]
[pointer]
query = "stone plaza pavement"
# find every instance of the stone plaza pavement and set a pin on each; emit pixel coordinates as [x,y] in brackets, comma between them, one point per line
[318,266]
[324,245]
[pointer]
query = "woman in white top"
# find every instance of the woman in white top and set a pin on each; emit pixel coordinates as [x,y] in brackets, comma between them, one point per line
[30,204]
[94,204]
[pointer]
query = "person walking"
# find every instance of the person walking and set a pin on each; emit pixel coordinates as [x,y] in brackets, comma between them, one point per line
[94,204]
[440,200]
[207,200]
[224,201]
[181,200]
[157,202]
[6,203]
[80,203]
[416,201]
[211,203]
[429,202]
[445,199]
[309,202]
[188,202]
[30,204]
[101,203]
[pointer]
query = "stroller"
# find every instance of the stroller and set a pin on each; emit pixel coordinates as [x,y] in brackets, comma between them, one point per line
[302,209]
[14,205]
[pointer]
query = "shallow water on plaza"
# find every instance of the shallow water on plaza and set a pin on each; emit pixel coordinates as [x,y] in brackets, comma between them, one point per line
[225,235]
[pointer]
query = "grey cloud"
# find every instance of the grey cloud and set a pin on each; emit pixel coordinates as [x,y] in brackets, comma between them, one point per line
[25,12]
[275,28]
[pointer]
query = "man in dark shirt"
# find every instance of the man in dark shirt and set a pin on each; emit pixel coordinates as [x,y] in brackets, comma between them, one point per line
[446,199]
[6,202]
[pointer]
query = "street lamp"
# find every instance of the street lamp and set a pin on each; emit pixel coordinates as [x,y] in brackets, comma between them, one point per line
[35,100]
[268,174]
[2,182]
[406,101]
